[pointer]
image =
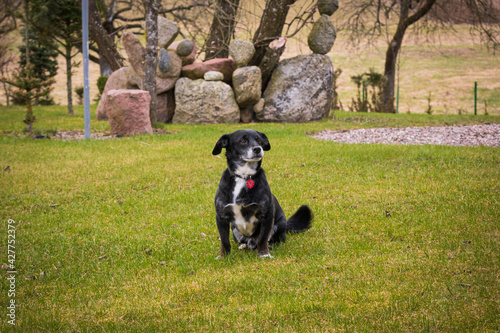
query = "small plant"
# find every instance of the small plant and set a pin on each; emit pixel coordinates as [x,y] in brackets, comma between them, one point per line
[79,93]
[370,87]
[101,84]
[429,106]
[29,88]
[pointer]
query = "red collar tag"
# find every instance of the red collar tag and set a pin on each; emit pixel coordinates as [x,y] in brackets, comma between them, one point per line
[250,183]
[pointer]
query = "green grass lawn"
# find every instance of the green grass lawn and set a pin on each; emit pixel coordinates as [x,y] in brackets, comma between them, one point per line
[119,235]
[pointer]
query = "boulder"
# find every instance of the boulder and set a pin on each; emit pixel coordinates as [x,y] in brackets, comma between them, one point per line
[128,112]
[186,60]
[166,81]
[165,106]
[259,106]
[213,76]
[322,35]
[164,61]
[197,70]
[246,115]
[167,32]
[123,78]
[204,102]
[328,7]
[247,85]
[242,51]
[135,52]
[300,90]
[185,48]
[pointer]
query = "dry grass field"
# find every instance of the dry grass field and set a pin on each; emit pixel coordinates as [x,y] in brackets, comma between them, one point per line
[444,67]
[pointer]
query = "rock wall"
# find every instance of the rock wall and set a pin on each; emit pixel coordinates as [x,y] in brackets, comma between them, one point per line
[228,90]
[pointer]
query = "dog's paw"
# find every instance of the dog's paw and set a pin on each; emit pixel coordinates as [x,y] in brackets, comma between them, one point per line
[267,255]
[242,246]
[219,257]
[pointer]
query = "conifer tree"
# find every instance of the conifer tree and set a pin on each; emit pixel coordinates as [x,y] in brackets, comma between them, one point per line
[44,60]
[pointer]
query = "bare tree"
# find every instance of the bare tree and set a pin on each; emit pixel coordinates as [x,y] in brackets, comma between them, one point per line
[6,59]
[222,29]
[151,20]
[110,17]
[7,18]
[369,19]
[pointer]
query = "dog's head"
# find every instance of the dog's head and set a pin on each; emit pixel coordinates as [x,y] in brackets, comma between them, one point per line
[243,146]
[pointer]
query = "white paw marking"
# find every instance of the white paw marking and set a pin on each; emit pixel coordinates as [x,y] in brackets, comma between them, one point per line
[267,256]
[242,246]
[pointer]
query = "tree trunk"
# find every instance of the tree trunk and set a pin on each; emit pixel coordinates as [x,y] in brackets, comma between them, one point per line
[270,28]
[107,48]
[392,51]
[221,30]
[105,68]
[68,79]
[151,19]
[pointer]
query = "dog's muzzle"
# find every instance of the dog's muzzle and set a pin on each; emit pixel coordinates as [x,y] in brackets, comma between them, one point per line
[255,154]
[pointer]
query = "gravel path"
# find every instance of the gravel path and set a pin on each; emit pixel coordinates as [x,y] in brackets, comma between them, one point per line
[476,135]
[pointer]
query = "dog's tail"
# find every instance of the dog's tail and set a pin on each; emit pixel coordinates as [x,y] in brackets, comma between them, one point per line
[300,221]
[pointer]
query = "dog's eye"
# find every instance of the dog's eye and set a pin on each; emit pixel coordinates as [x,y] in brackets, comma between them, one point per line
[243,141]
[258,140]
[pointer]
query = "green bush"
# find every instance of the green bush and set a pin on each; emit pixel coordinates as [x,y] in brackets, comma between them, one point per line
[101,83]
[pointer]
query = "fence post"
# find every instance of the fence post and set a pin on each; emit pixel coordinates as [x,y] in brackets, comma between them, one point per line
[397,101]
[475,98]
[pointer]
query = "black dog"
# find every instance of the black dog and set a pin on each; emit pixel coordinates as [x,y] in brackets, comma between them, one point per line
[244,200]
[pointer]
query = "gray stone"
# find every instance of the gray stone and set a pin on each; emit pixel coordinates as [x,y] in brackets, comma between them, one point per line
[322,35]
[135,52]
[204,102]
[246,115]
[167,32]
[185,47]
[213,76]
[123,78]
[186,60]
[247,85]
[259,106]
[300,90]
[328,7]
[241,51]
[164,61]
[166,81]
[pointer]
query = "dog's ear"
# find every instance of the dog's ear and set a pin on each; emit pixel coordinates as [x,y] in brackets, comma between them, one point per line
[265,141]
[222,143]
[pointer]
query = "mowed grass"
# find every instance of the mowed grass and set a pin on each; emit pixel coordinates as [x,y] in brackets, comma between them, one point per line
[119,235]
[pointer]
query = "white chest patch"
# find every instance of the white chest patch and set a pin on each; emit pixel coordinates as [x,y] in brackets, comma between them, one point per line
[240,183]
[244,227]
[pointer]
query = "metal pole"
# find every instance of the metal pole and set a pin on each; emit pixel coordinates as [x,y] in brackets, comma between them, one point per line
[85,48]
[475,98]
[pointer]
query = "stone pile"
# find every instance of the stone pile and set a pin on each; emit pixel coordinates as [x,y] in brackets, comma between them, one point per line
[229,90]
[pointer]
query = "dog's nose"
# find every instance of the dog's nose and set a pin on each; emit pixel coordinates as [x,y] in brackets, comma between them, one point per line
[257,150]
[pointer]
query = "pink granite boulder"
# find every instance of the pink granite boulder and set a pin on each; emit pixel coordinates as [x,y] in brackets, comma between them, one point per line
[197,70]
[128,112]
[123,78]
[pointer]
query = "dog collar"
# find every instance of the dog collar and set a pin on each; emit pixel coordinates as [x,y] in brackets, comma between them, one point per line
[249,181]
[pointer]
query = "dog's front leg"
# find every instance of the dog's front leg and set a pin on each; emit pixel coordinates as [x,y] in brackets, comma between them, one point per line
[263,238]
[225,244]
